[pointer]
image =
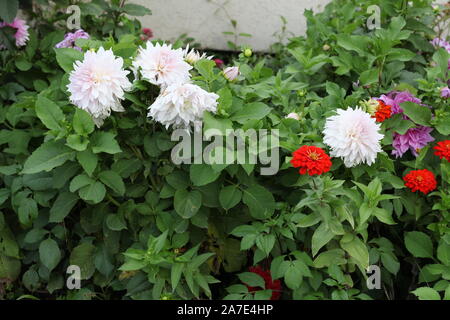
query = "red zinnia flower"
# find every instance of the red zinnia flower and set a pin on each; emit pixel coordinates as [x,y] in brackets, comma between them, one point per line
[275,286]
[311,160]
[383,111]
[443,149]
[421,180]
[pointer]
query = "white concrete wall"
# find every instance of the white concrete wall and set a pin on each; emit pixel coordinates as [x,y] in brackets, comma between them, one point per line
[205,20]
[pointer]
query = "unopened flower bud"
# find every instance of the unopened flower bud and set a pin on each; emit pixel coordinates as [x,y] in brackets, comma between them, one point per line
[370,106]
[231,73]
[326,47]
[301,93]
[293,115]
[248,52]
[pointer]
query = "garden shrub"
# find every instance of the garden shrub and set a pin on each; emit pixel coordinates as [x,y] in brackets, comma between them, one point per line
[88,176]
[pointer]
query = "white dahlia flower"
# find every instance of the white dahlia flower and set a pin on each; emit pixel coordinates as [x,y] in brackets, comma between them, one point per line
[162,65]
[353,135]
[97,84]
[193,55]
[182,105]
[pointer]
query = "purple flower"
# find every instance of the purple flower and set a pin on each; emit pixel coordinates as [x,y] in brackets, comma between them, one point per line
[394,98]
[445,92]
[69,39]
[414,139]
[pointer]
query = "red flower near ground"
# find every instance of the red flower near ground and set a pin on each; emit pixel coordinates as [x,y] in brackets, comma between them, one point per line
[275,286]
[311,160]
[219,63]
[147,34]
[420,180]
[383,111]
[443,149]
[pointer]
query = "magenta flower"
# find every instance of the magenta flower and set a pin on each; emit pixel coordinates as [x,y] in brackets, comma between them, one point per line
[69,39]
[21,34]
[445,92]
[414,139]
[394,98]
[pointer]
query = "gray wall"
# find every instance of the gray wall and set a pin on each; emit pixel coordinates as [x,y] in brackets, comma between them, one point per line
[206,20]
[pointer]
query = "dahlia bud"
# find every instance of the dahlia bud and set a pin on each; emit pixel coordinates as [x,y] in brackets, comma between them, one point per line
[248,52]
[293,115]
[192,57]
[326,47]
[370,106]
[301,93]
[231,73]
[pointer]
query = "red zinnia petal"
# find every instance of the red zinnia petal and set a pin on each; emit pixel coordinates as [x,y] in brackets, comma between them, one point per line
[311,160]
[420,180]
[443,149]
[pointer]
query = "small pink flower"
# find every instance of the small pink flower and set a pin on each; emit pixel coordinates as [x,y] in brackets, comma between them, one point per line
[21,34]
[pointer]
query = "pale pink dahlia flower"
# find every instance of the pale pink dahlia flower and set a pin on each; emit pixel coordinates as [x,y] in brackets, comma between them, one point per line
[21,34]
[97,84]
[182,106]
[162,65]
[353,135]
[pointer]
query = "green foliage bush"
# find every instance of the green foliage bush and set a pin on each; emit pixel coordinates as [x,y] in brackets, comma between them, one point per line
[111,200]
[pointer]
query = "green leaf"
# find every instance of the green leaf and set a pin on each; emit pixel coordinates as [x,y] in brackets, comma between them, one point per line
[83,257]
[104,142]
[321,236]
[426,293]
[229,197]
[94,192]
[49,155]
[175,274]
[210,122]
[265,243]
[49,113]
[369,76]
[419,244]
[115,222]
[82,122]
[35,235]
[260,202]
[135,10]
[187,203]
[113,180]
[293,276]
[356,249]
[251,111]
[62,206]
[80,181]
[252,279]
[23,64]
[77,142]
[202,174]
[66,58]
[88,160]
[419,114]
[49,253]
[8,10]
[27,211]
[206,68]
